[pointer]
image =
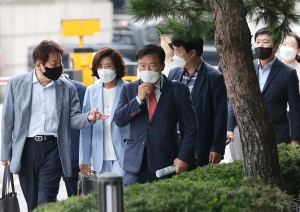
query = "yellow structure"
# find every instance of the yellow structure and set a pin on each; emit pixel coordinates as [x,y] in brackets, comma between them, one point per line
[130,78]
[82,57]
[80,28]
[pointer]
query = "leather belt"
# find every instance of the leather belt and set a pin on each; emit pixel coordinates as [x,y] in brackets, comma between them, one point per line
[42,138]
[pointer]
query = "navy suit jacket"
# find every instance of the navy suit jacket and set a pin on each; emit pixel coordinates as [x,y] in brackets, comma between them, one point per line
[281,87]
[209,98]
[74,134]
[160,134]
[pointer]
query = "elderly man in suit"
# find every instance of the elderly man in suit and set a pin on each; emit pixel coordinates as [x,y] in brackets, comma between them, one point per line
[279,85]
[208,94]
[151,105]
[74,134]
[37,111]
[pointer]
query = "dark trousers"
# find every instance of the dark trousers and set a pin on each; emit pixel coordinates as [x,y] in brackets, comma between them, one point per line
[71,182]
[40,172]
[144,175]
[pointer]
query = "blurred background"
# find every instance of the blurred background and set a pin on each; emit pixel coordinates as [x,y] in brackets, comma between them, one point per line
[25,23]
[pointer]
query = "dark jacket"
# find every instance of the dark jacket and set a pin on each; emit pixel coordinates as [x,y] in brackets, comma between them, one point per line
[209,98]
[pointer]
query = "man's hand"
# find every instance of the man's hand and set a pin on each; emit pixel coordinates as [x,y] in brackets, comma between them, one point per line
[143,89]
[293,143]
[215,157]
[181,166]
[230,135]
[95,115]
[84,169]
[4,162]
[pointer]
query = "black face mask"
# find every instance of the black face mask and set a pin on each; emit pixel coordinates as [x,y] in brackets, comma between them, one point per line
[53,73]
[263,53]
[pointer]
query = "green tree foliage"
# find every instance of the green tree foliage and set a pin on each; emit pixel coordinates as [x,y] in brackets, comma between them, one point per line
[191,19]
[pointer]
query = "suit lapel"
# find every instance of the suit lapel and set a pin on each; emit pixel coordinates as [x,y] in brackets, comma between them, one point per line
[256,68]
[178,74]
[274,70]
[59,92]
[119,87]
[27,101]
[199,81]
[164,97]
[98,97]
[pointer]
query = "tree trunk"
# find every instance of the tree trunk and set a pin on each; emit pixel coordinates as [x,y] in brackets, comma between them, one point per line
[233,43]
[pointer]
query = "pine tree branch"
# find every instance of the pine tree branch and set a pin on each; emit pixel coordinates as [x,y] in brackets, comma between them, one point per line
[189,19]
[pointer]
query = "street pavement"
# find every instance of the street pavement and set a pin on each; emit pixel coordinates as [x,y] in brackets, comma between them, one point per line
[62,194]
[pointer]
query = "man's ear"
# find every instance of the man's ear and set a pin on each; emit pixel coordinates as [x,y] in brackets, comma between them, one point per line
[193,53]
[62,68]
[163,67]
[276,47]
[38,64]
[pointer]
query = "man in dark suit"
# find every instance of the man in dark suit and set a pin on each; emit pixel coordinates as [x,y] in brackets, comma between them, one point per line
[208,94]
[74,134]
[279,85]
[153,105]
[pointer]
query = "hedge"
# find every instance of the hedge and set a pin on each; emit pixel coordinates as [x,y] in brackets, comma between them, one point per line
[219,187]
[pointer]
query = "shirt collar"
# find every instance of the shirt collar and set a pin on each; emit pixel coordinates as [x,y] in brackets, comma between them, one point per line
[35,80]
[197,69]
[160,82]
[270,63]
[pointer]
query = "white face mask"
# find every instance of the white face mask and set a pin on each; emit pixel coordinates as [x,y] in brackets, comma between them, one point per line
[150,76]
[106,75]
[179,62]
[287,53]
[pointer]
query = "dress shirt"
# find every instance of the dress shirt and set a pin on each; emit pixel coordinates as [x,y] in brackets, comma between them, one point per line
[264,73]
[159,84]
[43,119]
[190,80]
[108,99]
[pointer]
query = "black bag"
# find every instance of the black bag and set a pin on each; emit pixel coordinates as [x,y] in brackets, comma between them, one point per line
[9,201]
[86,185]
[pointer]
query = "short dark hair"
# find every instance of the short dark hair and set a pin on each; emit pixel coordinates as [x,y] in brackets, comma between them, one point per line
[188,46]
[261,31]
[42,50]
[151,49]
[116,58]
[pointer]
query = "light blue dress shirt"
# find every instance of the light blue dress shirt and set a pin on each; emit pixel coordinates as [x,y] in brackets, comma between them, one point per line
[43,119]
[157,92]
[264,73]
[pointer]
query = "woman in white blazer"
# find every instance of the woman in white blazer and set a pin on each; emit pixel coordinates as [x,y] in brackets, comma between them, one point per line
[103,143]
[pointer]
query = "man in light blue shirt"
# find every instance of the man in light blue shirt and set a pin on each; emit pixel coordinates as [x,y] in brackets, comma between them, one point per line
[37,111]
[263,73]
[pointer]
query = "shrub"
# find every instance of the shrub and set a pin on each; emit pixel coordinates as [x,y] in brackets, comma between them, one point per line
[219,187]
[72,204]
[289,160]
[188,196]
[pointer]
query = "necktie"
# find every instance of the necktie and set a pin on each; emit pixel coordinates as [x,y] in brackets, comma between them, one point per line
[152,103]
